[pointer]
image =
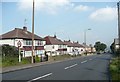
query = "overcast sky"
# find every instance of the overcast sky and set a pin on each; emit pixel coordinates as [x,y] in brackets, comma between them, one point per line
[65,18]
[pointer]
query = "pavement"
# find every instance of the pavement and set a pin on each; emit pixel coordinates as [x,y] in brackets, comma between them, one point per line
[83,68]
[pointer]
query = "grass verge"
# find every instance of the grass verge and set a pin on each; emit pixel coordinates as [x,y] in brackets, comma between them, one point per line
[115,68]
[62,57]
[13,61]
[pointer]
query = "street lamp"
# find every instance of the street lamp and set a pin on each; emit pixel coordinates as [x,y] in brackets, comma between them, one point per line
[85,35]
[85,31]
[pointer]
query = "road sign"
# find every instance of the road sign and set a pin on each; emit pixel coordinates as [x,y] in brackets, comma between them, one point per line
[19,44]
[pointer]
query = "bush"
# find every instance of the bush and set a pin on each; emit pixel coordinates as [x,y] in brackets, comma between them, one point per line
[26,60]
[8,50]
[37,59]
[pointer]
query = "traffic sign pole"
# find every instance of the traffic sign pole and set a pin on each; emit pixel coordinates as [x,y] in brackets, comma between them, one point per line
[19,55]
[19,45]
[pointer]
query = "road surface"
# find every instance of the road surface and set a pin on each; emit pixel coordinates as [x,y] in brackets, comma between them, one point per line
[84,68]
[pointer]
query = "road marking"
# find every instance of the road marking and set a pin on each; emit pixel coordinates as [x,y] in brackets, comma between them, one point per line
[40,77]
[71,66]
[84,61]
[90,59]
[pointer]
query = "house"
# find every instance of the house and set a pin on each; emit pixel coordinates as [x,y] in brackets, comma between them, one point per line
[89,49]
[70,47]
[74,48]
[23,38]
[55,46]
[80,49]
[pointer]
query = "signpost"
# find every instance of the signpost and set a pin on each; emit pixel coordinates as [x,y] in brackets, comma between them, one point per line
[19,45]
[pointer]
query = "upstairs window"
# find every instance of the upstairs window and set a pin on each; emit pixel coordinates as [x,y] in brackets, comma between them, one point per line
[28,42]
[38,43]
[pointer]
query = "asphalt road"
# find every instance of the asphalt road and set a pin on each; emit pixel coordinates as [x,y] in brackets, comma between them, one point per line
[84,68]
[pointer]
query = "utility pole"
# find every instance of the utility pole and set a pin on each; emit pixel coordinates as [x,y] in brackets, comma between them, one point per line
[33,61]
[118,5]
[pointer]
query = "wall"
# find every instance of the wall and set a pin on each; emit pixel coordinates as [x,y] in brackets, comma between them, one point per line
[7,41]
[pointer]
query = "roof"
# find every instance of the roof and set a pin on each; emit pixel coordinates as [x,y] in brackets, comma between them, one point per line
[20,34]
[74,44]
[53,41]
[86,46]
[70,44]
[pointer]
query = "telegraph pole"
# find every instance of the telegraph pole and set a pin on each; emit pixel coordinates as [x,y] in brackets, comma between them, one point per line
[118,5]
[32,61]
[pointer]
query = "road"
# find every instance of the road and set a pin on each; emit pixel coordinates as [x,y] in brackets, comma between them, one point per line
[84,68]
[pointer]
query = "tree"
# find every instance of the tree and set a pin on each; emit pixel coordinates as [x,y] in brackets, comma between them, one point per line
[100,46]
[103,46]
[8,50]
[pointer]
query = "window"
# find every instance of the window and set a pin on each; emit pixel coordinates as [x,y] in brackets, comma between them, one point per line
[38,43]
[60,46]
[28,42]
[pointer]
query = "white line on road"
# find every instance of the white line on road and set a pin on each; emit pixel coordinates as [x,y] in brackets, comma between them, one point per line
[84,61]
[40,77]
[90,59]
[71,66]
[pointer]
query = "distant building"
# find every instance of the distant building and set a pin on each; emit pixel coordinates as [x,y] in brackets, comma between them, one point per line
[74,48]
[24,38]
[55,46]
[89,49]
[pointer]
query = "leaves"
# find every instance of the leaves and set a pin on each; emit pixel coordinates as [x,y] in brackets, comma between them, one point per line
[8,50]
[100,46]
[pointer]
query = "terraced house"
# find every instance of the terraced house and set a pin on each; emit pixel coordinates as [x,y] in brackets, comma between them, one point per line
[24,38]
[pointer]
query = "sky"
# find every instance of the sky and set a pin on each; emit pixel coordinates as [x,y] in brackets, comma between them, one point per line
[66,18]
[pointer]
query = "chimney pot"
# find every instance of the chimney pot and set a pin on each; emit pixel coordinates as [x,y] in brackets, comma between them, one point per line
[25,28]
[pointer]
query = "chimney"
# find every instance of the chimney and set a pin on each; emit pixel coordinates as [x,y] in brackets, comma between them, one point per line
[69,40]
[25,28]
[15,28]
[77,42]
[55,36]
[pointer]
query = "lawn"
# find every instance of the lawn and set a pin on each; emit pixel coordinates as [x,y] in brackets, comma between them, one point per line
[115,68]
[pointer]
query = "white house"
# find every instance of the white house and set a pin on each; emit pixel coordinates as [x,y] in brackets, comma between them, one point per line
[55,46]
[23,38]
[74,48]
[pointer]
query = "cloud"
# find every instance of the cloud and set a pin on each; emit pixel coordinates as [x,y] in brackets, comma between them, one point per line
[49,6]
[81,8]
[104,14]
